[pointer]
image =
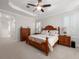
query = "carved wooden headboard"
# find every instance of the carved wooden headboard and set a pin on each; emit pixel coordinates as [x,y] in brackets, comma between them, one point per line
[51,27]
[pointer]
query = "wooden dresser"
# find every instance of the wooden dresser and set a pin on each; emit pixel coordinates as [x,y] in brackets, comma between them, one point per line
[65,40]
[24,33]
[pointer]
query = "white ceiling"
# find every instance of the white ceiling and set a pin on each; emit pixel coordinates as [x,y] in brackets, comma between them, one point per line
[58,6]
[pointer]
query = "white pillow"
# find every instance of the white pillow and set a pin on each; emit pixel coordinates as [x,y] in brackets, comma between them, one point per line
[53,32]
[45,32]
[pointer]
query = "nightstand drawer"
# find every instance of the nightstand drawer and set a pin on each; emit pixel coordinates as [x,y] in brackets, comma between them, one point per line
[64,40]
[67,40]
[61,40]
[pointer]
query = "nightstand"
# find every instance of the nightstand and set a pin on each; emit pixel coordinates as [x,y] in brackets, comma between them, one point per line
[65,40]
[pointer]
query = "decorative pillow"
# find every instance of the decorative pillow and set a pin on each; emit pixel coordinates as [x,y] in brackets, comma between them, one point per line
[53,32]
[45,32]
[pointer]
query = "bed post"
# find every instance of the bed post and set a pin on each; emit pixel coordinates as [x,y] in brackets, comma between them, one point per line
[59,30]
[47,48]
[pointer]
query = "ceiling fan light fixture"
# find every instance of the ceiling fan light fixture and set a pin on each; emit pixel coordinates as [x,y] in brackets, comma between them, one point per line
[39,7]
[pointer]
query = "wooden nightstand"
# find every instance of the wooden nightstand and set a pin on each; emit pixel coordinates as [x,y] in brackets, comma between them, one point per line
[65,40]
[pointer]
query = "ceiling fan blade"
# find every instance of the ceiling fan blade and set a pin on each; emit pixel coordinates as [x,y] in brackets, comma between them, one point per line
[42,10]
[28,6]
[39,1]
[47,5]
[31,4]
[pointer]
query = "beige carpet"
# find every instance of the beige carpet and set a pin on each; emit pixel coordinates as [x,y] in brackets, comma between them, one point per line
[11,49]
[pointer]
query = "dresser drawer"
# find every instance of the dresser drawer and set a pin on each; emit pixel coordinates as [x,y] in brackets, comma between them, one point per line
[24,33]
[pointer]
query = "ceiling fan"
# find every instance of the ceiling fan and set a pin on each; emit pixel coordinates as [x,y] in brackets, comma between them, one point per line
[39,6]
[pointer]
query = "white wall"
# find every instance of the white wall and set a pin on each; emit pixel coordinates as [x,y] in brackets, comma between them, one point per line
[69,20]
[56,21]
[25,21]
[7,26]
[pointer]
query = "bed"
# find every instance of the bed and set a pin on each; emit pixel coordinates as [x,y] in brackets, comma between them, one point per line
[44,41]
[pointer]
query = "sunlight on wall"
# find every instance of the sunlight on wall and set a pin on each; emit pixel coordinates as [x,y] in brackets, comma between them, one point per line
[38,27]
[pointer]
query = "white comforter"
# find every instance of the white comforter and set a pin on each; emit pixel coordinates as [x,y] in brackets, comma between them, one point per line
[51,39]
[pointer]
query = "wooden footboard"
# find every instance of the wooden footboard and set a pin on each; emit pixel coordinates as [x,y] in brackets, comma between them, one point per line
[45,47]
[42,46]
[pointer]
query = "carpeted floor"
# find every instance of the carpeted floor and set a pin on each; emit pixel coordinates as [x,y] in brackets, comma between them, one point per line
[11,49]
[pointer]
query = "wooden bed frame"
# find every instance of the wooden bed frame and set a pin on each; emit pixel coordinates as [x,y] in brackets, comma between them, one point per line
[41,46]
[44,45]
